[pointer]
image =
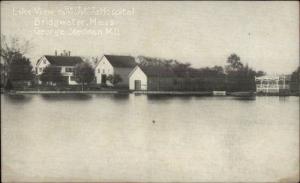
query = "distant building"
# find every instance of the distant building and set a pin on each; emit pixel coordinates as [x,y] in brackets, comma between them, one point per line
[152,78]
[114,65]
[65,63]
[272,84]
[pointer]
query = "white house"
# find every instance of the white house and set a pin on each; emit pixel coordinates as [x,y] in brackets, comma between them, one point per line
[114,65]
[154,78]
[272,84]
[65,63]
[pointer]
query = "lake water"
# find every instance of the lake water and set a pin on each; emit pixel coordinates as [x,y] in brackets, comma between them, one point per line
[141,138]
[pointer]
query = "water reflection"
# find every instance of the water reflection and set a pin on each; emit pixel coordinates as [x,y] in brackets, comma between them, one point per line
[247,98]
[112,95]
[122,96]
[18,98]
[67,96]
[168,97]
[283,98]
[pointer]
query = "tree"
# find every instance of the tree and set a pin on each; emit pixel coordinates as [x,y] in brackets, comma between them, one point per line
[240,77]
[114,79]
[52,74]
[2,72]
[20,69]
[260,73]
[11,49]
[234,63]
[12,46]
[84,73]
[295,80]
[181,69]
[218,70]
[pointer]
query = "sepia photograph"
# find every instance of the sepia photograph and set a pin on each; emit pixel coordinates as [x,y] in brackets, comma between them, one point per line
[150,91]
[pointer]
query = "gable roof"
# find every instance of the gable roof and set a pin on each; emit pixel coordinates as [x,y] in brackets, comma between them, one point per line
[157,71]
[63,60]
[121,61]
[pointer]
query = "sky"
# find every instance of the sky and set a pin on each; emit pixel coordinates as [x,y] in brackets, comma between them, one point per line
[264,34]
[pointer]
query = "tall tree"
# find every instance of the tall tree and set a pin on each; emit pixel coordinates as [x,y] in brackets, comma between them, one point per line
[12,48]
[234,63]
[84,73]
[295,81]
[20,70]
[240,77]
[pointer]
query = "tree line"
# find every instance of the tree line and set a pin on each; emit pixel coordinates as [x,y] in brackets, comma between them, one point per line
[235,76]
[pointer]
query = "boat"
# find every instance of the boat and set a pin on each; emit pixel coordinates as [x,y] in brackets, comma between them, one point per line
[219,93]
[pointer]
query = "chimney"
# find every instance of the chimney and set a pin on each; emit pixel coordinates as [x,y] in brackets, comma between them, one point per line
[69,53]
[55,52]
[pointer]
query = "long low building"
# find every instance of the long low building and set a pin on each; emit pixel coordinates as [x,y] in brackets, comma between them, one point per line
[272,84]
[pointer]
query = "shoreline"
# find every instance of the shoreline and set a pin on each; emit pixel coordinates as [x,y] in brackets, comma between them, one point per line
[175,93]
[114,92]
[63,92]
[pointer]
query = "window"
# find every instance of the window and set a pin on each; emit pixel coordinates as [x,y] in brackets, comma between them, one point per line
[69,69]
[44,61]
[265,82]
[103,71]
[72,78]
[41,69]
[98,70]
[281,82]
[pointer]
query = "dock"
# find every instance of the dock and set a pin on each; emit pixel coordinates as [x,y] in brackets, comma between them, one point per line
[67,92]
[199,93]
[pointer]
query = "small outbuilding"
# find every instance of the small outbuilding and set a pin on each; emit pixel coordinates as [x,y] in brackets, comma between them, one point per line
[152,78]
